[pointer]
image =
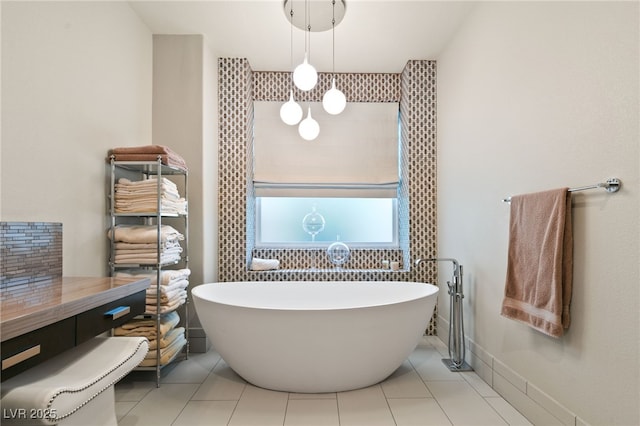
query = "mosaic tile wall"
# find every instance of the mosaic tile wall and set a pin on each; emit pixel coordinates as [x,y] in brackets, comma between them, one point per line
[275,86]
[31,252]
[418,132]
[234,127]
[414,88]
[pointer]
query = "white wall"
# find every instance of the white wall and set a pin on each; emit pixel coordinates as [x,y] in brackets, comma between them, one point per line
[76,81]
[209,164]
[184,118]
[535,96]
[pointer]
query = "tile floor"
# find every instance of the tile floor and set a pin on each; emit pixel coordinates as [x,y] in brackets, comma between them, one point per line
[203,390]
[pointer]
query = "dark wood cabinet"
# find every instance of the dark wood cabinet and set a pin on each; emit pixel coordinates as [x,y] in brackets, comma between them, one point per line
[36,326]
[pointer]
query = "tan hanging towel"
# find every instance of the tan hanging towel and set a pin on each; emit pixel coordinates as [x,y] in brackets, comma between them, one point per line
[540,261]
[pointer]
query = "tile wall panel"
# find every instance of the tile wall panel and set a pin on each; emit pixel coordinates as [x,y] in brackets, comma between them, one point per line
[357,87]
[418,133]
[235,116]
[30,253]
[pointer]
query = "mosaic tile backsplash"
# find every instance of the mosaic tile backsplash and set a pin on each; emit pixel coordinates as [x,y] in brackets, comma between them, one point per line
[31,252]
[414,88]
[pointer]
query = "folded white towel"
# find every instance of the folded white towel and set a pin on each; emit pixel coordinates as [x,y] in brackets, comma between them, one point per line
[165,290]
[145,246]
[144,252]
[147,259]
[167,276]
[258,264]
[144,233]
[125,186]
[167,339]
[170,306]
[146,182]
[173,275]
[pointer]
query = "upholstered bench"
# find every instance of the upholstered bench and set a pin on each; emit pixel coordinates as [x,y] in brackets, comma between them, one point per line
[75,387]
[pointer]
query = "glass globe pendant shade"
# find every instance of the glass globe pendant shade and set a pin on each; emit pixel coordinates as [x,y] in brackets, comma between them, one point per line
[290,111]
[334,100]
[309,129]
[305,75]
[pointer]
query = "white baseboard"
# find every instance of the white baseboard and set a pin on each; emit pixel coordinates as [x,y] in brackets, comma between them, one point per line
[531,401]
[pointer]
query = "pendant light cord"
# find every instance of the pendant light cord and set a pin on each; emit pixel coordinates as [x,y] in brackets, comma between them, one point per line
[291,42]
[333,38]
[307,23]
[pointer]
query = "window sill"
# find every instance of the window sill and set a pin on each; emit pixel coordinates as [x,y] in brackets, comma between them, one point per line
[325,270]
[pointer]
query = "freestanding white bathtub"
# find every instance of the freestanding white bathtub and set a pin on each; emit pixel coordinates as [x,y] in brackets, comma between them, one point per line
[314,337]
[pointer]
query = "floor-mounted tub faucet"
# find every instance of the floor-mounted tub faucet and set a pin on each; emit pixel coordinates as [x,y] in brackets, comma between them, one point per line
[456,361]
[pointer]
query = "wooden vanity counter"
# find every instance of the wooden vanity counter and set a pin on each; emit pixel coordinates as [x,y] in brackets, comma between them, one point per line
[45,318]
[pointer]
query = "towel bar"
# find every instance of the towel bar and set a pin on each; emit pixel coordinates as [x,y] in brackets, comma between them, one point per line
[611,185]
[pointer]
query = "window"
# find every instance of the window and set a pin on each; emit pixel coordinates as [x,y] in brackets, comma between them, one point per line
[349,174]
[358,222]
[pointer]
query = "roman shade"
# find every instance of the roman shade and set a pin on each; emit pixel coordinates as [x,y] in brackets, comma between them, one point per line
[355,155]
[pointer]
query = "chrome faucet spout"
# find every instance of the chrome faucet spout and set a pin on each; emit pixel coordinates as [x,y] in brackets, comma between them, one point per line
[457,270]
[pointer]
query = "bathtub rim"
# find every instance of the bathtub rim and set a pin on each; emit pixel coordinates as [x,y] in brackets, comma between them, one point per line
[432,290]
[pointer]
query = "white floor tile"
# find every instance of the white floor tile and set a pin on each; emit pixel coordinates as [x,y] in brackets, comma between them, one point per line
[123,408]
[405,383]
[206,413]
[438,344]
[421,392]
[463,405]
[221,384]
[134,387]
[312,396]
[192,370]
[260,407]
[428,363]
[364,407]
[161,406]
[478,384]
[417,412]
[312,412]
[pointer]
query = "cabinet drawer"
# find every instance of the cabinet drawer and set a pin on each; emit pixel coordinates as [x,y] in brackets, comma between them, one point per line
[28,350]
[98,320]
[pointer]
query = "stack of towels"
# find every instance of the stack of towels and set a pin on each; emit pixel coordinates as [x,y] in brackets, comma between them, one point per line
[172,289]
[173,293]
[170,338]
[142,197]
[138,244]
[148,153]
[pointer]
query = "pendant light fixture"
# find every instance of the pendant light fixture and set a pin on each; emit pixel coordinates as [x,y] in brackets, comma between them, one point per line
[309,129]
[305,75]
[290,111]
[334,100]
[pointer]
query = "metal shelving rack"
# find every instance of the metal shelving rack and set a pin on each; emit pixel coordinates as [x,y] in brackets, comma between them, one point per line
[146,170]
